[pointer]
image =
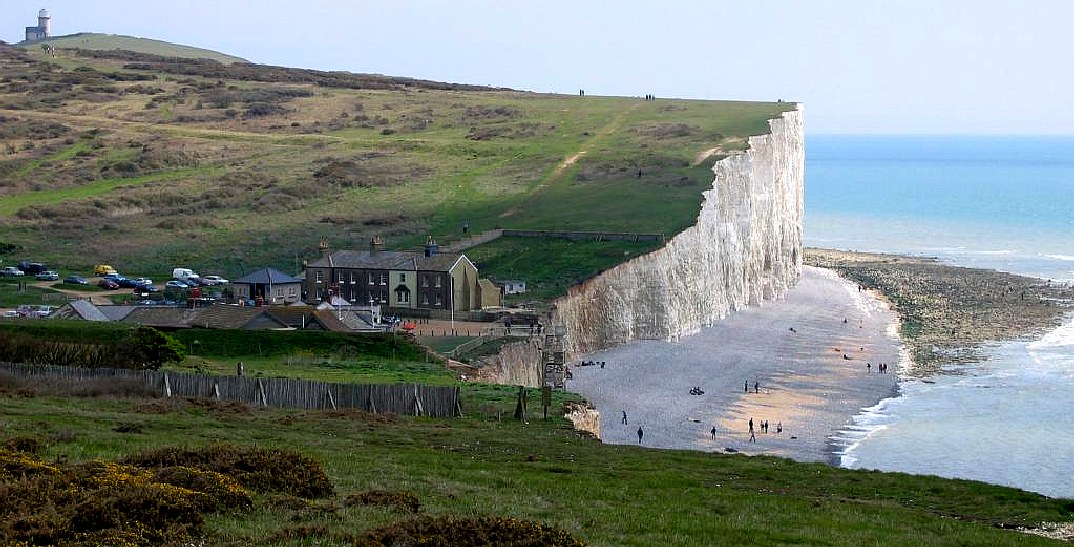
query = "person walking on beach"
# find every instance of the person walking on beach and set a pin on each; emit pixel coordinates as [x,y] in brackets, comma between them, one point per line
[624,418]
[746,387]
[713,433]
[756,387]
[753,436]
[640,434]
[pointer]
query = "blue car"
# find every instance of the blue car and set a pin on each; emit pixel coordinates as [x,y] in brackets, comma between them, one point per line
[75,280]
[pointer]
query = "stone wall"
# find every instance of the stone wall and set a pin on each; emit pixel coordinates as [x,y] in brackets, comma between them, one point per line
[746,246]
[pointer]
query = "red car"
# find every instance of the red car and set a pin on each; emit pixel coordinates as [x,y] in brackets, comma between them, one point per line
[108,284]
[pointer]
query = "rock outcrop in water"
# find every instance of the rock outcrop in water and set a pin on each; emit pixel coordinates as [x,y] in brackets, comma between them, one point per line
[745,247]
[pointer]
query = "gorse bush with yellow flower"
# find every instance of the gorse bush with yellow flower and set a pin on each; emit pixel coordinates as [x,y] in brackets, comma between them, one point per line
[161,500]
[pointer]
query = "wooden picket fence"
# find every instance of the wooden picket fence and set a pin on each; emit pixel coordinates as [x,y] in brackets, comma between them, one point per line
[404,399]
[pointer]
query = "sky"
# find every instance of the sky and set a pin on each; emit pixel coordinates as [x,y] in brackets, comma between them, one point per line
[859,66]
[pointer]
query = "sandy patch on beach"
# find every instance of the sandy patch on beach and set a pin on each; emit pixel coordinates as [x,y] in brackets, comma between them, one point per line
[806,353]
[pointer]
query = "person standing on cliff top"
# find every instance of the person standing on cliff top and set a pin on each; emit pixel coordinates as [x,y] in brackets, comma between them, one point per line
[624,418]
[713,433]
[640,434]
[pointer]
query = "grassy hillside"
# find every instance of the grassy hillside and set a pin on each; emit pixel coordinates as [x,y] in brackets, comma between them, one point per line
[145,162]
[482,464]
[96,41]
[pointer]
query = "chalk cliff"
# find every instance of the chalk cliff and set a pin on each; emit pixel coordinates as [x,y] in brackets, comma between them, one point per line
[745,247]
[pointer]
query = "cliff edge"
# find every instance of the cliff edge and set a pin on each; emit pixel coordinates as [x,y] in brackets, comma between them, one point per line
[745,247]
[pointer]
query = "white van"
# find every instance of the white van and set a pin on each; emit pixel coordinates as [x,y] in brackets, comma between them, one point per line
[184,273]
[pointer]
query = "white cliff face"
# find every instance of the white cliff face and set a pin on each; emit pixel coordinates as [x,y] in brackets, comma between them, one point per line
[745,247]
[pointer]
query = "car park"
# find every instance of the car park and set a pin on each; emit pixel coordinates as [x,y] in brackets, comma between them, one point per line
[215,280]
[108,284]
[11,271]
[75,280]
[47,275]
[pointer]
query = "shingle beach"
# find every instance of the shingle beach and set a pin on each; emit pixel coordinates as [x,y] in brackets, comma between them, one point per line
[813,355]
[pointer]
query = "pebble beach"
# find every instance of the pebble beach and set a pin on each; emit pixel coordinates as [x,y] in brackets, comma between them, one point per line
[806,363]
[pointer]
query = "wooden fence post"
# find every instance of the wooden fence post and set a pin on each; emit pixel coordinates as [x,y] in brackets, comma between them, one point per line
[261,392]
[331,400]
[216,390]
[167,386]
[419,409]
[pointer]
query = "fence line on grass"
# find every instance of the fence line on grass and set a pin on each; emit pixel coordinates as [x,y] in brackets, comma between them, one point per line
[404,399]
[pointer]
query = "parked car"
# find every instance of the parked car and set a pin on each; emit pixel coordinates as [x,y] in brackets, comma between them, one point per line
[145,289]
[176,284]
[47,275]
[31,267]
[143,281]
[215,280]
[11,271]
[75,280]
[11,314]
[108,284]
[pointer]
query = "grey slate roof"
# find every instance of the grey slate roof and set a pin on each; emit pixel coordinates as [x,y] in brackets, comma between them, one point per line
[116,313]
[387,260]
[80,309]
[218,316]
[266,276]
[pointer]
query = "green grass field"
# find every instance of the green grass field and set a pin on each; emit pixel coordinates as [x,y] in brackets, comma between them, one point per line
[486,463]
[89,40]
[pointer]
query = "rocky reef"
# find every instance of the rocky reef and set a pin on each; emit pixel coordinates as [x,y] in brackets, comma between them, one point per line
[745,247]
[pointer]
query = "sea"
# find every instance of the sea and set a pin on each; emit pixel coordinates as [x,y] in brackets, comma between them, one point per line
[1000,202]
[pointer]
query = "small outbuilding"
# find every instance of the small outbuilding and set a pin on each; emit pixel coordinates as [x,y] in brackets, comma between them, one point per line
[268,286]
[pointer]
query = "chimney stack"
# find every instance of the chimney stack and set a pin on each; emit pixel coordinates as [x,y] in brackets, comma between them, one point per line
[430,247]
[324,246]
[376,245]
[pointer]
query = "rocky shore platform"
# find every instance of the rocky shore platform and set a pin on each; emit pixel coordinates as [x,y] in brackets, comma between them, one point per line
[946,312]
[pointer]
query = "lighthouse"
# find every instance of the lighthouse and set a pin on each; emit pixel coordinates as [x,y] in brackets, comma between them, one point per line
[44,22]
[43,30]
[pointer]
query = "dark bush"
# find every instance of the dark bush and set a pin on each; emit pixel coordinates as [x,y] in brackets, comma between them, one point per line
[468,532]
[400,500]
[259,469]
[26,445]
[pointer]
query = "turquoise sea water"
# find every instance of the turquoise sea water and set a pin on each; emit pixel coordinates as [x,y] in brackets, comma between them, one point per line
[996,202]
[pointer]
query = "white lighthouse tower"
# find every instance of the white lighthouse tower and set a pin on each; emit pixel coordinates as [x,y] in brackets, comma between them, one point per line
[44,22]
